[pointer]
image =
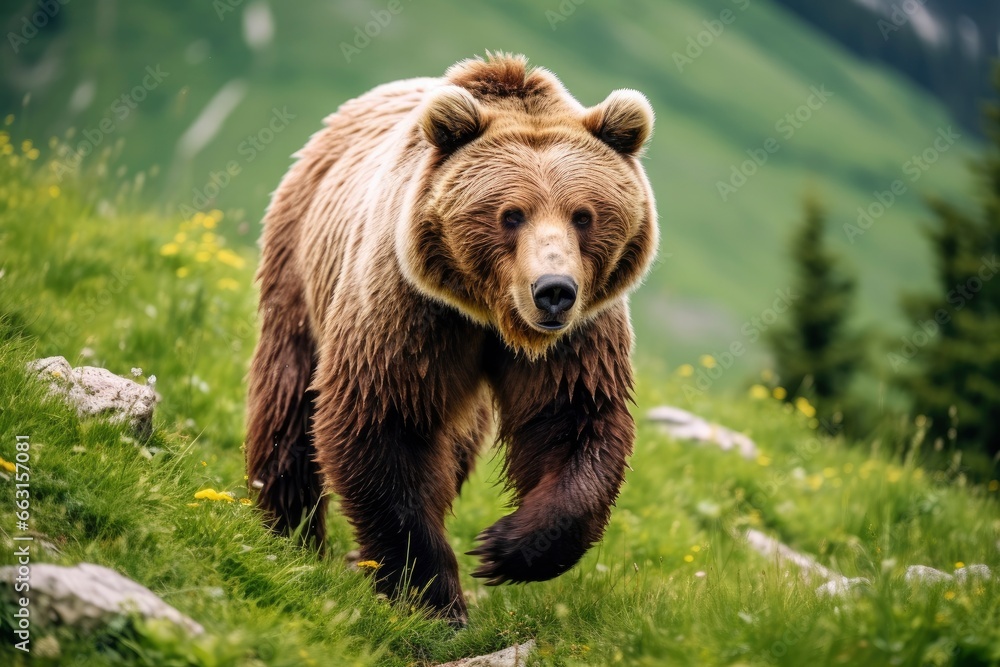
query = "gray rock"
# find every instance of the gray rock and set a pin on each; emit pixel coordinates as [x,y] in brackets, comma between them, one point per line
[785,555]
[513,656]
[98,391]
[925,575]
[89,596]
[684,425]
[975,571]
[841,586]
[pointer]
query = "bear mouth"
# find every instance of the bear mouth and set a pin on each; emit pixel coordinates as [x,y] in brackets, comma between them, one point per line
[551,325]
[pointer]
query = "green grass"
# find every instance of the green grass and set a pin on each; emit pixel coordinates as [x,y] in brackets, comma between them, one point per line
[722,260]
[91,277]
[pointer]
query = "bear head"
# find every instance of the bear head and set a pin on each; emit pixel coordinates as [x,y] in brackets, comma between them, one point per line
[530,214]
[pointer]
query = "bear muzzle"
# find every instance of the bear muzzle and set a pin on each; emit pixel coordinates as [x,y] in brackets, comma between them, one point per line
[554,296]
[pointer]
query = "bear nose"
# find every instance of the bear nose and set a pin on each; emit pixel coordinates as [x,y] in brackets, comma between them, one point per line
[554,294]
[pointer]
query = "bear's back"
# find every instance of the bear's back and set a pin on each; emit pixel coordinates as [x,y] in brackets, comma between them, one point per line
[361,140]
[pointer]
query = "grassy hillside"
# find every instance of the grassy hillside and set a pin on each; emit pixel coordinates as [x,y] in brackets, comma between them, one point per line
[722,260]
[95,279]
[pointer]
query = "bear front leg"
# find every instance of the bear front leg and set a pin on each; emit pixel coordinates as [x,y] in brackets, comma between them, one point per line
[568,433]
[395,492]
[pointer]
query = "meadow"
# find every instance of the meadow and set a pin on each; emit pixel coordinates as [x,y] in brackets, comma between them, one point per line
[89,273]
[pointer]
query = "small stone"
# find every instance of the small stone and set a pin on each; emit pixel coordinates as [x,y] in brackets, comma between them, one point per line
[684,425]
[925,575]
[513,656]
[975,571]
[841,586]
[98,391]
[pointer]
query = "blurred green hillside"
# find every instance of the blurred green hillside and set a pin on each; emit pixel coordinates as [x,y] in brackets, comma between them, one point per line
[744,65]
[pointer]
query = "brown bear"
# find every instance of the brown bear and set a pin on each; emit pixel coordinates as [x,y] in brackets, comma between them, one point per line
[446,251]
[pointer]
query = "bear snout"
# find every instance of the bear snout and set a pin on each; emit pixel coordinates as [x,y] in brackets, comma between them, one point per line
[554,295]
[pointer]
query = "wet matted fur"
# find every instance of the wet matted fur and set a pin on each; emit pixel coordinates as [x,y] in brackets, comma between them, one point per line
[399,258]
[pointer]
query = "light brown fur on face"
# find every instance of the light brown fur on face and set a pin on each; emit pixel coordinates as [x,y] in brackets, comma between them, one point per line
[446,254]
[537,152]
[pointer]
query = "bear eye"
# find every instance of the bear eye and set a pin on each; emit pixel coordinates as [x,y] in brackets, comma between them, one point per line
[513,217]
[582,218]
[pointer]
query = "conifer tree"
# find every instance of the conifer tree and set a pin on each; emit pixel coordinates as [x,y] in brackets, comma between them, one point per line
[815,353]
[952,356]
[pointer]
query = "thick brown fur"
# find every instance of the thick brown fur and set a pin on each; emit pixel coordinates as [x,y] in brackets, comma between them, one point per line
[399,258]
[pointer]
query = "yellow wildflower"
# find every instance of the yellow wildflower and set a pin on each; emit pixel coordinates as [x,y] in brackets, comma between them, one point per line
[759,391]
[180,237]
[4,138]
[7,149]
[804,407]
[26,145]
[32,154]
[193,504]
[949,595]
[183,271]
[7,465]
[689,558]
[707,360]
[696,548]
[764,460]
[959,565]
[203,256]
[369,564]
[893,474]
[228,283]
[779,393]
[169,249]
[208,238]
[246,501]
[212,494]
[53,191]
[814,482]
[230,258]
[829,473]
[685,370]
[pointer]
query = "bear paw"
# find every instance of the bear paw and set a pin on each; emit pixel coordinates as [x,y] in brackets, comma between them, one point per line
[512,552]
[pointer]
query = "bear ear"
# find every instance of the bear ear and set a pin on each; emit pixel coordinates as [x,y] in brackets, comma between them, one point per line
[623,121]
[452,118]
